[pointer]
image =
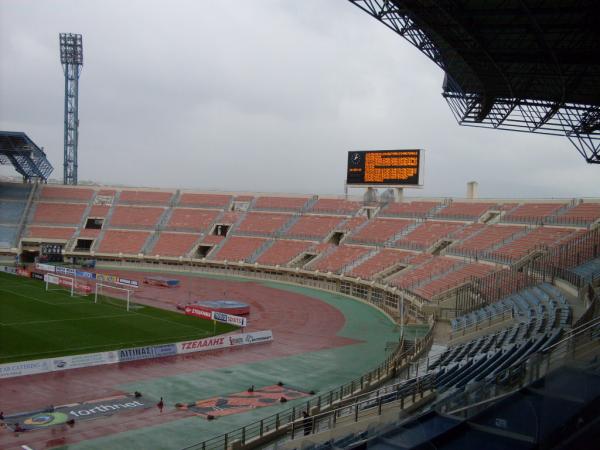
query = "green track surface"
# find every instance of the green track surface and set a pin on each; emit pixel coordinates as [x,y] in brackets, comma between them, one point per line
[37,324]
[319,371]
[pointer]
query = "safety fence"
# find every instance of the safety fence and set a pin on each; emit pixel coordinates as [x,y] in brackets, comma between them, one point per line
[338,399]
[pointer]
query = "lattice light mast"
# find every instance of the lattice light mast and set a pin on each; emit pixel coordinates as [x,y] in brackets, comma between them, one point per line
[71,58]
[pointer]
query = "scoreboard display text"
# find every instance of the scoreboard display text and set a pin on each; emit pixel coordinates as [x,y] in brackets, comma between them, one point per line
[387,167]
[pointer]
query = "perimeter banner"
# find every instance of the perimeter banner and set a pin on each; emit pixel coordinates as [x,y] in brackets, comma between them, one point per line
[89,275]
[8,269]
[197,312]
[192,310]
[45,267]
[219,342]
[38,366]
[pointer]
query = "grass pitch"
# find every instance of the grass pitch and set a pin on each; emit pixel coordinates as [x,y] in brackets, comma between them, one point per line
[38,324]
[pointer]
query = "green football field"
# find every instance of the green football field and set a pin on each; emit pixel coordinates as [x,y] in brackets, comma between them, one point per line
[36,324]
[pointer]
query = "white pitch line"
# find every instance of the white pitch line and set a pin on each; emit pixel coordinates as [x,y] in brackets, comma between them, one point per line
[63,320]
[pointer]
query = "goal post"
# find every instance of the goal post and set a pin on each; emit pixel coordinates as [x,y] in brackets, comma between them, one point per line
[62,282]
[113,295]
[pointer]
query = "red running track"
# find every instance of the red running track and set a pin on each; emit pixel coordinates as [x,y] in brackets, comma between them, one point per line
[300,324]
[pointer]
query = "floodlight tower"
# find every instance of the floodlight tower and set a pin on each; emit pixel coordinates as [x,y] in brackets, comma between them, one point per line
[71,58]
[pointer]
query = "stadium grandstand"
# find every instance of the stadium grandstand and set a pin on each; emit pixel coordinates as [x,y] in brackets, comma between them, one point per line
[507,282]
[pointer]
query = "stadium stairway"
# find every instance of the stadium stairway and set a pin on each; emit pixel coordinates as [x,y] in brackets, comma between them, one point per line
[287,226]
[214,254]
[263,248]
[202,235]
[175,199]
[160,226]
[309,204]
[70,246]
[409,229]
[107,219]
[150,242]
[358,261]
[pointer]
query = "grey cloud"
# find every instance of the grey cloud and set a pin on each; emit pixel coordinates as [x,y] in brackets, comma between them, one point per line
[267,95]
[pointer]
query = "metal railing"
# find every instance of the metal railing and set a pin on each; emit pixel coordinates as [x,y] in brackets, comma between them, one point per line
[579,344]
[338,399]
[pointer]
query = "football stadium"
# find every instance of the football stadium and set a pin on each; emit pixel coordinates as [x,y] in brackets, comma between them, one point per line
[173,318]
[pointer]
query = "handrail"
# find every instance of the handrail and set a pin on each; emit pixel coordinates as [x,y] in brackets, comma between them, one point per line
[333,399]
[532,368]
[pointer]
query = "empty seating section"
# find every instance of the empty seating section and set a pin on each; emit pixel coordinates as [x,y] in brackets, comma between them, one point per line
[229,218]
[145,197]
[192,219]
[314,227]
[66,193]
[339,258]
[390,247]
[238,248]
[206,200]
[11,211]
[352,223]
[50,232]
[132,216]
[467,231]
[99,211]
[383,260]
[263,223]
[14,191]
[336,206]
[281,203]
[533,212]
[13,200]
[425,271]
[283,251]
[174,244]
[8,234]
[492,235]
[465,211]
[212,239]
[538,237]
[427,234]
[539,301]
[410,209]
[121,241]
[59,213]
[453,279]
[589,270]
[378,231]
[582,214]
[89,232]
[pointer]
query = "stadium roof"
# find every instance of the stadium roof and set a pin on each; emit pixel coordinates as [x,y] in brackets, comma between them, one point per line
[27,158]
[522,65]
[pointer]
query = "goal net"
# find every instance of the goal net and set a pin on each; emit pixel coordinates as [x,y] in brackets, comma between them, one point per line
[114,295]
[75,287]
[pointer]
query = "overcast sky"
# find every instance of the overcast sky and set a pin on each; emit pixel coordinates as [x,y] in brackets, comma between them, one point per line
[261,95]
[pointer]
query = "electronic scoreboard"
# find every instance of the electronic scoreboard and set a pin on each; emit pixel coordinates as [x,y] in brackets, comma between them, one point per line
[400,168]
